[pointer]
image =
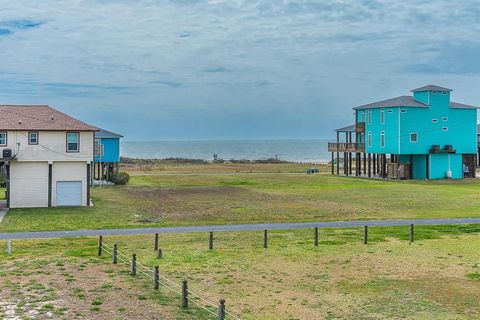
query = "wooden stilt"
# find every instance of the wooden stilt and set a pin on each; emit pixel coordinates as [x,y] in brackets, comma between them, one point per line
[369,165]
[333,163]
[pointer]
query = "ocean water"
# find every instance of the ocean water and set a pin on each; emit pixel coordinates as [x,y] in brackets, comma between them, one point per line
[312,150]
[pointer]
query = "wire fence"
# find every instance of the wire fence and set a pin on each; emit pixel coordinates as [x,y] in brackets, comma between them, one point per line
[156,277]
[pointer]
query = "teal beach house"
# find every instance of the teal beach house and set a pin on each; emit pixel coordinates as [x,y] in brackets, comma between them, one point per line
[106,155]
[420,136]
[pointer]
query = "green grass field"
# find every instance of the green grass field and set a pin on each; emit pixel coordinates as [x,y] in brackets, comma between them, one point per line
[166,200]
[436,277]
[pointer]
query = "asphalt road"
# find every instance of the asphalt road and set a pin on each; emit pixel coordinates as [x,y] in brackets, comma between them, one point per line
[234,227]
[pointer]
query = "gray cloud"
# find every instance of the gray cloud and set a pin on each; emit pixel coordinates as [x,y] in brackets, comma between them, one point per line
[297,66]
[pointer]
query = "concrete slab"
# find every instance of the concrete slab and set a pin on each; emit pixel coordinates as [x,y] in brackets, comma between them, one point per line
[3,212]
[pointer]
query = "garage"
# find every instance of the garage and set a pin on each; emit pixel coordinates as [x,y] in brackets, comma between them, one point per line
[28,184]
[69,193]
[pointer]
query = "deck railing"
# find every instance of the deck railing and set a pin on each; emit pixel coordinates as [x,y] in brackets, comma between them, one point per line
[346,147]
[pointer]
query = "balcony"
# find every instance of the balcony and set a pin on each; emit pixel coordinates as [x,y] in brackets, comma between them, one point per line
[346,147]
[360,127]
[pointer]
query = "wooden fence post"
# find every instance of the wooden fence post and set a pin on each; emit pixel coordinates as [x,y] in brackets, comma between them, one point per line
[156,278]
[134,264]
[265,239]
[316,237]
[100,244]
[412,234]
[160,254]
[365,236]
[221,310]
[184,294]
[9,250]
[210,242]
[156,242]
[115,253]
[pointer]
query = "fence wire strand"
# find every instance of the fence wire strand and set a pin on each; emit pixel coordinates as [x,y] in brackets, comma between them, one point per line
[144,270]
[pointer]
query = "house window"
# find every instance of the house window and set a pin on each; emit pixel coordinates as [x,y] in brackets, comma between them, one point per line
[382,139]
[3,138]
[369,138]
[73,139]
[434,120]
[369,116]
[390,111]
[33,137]
[445,129]
[362,116]
[444,118]
[413,137]
[403,110]
[382,116]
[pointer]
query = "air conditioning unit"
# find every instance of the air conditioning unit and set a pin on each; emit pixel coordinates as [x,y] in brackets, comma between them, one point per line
[7,154]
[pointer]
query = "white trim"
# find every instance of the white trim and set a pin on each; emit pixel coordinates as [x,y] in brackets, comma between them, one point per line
[382,139]
[369,135]
[416,135]
[382,116]
[369,116]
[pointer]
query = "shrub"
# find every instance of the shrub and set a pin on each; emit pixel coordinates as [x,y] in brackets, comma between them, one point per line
[122,178]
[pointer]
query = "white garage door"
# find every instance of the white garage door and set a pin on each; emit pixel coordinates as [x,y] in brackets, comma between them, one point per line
[28,184]
[69,193]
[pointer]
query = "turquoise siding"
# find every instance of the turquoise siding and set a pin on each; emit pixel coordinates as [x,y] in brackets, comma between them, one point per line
[437,123]
[441,163]
[111,150]
[422,96]
[389,127]
[419,162]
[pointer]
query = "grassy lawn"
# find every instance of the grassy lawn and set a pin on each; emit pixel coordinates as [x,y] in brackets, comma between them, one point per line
[195,199]
[436,277]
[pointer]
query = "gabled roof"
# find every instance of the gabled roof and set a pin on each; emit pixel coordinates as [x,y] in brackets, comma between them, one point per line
[431,87]
[39,118]
[402,101]
[105,134]
[350,128]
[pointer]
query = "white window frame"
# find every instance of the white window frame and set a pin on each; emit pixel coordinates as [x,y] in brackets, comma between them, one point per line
[444,128]
[30,133]
[416,137]
[362,116]
[369,116]
[434,120]
[369,139]
[444,119]
[382,139]
[6,138]
[382,116]
[78,142]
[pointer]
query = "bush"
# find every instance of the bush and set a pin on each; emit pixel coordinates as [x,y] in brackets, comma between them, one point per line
[122,178]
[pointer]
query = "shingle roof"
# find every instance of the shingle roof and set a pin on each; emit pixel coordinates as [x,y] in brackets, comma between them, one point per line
[402,101]
[457,105]
[350,128]
[431,87]
[105,134]
[40,118]
[408,101]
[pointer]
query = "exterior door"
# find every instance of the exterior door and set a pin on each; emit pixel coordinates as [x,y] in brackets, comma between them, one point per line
[69,193]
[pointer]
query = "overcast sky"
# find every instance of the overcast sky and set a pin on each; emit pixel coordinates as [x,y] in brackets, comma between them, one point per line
[221,69]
